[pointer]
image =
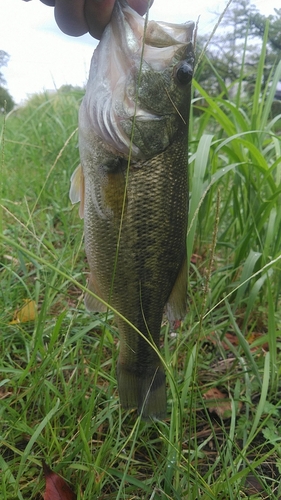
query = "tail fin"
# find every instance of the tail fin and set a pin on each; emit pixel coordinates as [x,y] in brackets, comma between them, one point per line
[146,392]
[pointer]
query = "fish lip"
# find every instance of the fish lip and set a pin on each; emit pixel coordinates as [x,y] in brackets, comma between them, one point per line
[175,32]
[182,33]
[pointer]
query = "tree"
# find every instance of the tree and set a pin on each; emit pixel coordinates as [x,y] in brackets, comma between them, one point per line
[258,21]
[4,58]
[227,48]
[6,100]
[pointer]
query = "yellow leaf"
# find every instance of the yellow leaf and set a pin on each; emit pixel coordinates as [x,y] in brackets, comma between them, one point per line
[26,313]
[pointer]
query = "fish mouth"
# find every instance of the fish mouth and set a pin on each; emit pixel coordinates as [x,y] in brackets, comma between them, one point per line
[154,43]
[128,47]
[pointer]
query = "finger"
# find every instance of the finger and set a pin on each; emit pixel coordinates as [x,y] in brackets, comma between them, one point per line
[51,3]
[69,15]
[140,5]
[76,17]
[98,14]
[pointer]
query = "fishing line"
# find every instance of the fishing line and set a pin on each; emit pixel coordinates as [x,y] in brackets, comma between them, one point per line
[129,156]
[108,302]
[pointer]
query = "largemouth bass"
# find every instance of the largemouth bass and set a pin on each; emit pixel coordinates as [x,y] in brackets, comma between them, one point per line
[133,128]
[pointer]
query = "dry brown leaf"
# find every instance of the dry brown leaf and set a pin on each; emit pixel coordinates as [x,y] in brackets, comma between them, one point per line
[26,313]
[221,403]
[195,257]
[232,339]
[5,393]
[255,336]
[56,487]
[229,336]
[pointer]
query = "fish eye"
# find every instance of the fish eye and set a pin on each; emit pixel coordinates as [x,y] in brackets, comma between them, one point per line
[184,73]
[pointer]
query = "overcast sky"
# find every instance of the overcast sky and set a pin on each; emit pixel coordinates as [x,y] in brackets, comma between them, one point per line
[41,57]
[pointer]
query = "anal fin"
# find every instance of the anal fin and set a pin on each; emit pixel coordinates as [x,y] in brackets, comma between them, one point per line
[176,306]
[92,303]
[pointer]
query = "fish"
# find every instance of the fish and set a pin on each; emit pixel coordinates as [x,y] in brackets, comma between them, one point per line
[132,185]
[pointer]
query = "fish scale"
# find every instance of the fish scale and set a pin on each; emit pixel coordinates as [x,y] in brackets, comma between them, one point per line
[159,250]
[152,250]
[136,210]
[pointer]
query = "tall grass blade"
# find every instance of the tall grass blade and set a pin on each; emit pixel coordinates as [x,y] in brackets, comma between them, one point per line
[34,438]
[199,171]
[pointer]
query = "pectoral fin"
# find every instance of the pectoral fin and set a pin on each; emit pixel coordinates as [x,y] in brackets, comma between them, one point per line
[77,189]
[177,303]
[113,184]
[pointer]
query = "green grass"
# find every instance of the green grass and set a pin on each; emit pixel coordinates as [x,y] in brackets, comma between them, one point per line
[59,401]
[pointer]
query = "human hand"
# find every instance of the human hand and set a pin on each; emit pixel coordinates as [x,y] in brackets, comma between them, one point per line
[77,17]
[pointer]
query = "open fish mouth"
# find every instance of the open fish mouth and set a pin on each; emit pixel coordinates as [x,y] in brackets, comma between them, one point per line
[131,49]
